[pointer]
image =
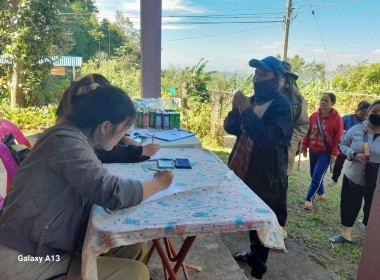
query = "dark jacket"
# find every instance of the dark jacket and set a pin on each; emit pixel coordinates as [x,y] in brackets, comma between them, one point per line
[271,136]
[50,199]
[122,153]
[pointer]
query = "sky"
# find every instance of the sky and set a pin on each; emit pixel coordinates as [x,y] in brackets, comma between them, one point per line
[333,32]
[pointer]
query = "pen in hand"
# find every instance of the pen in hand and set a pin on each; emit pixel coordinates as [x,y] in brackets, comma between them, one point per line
[153,169]
[153,139]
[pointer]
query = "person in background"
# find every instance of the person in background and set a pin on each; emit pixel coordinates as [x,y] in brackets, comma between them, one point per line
[291,91]
[360,175]
[47,208]
[323,148]
[348,122]
[127,150]
[263,126]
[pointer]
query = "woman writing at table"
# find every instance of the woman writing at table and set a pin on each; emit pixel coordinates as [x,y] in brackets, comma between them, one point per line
[127,150]
[48,205]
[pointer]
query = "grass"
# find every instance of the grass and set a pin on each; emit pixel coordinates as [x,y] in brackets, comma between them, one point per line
[311,229]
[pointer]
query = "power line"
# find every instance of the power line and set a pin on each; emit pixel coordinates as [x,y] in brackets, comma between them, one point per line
[224,22]
[327,5]
[220,34]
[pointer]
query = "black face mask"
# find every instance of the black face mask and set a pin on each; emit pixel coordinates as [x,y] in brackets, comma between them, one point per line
[266,90]
[374,119]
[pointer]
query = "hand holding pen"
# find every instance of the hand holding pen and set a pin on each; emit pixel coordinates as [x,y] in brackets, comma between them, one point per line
[150,149]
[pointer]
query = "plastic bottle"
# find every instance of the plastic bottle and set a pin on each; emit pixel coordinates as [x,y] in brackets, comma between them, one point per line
[146,119]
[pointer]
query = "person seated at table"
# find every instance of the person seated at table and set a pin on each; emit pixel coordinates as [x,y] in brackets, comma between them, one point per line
[263,125]
[127,150]
[47,208]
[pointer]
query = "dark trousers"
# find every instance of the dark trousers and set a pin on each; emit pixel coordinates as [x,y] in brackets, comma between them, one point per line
[351,201]
[259,254]
[282,207]
[338,166]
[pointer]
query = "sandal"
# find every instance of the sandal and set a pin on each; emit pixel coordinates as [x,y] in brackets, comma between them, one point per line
[340,239]
[308,205]
[241,256]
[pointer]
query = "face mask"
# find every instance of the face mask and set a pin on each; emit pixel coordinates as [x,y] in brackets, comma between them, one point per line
[374,119]
[266,90]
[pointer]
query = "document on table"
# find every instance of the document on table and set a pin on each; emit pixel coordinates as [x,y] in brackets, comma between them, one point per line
[174,134]
[156,156]
[170,190]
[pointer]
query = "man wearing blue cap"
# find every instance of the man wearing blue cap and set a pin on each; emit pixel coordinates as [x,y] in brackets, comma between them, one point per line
[263,126]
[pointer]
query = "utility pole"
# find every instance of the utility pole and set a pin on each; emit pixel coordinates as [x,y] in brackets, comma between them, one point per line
[286,30]
[109,41]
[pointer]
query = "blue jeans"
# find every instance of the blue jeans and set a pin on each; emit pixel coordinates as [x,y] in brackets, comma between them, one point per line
[318,167]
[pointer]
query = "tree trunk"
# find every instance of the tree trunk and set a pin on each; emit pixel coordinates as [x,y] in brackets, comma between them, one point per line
[184,105]
[16,90]
[17,93]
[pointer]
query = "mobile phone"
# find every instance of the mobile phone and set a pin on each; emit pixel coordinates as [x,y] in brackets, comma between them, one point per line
[166,163]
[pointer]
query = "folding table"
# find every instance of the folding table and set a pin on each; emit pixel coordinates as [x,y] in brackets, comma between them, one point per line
[213,200]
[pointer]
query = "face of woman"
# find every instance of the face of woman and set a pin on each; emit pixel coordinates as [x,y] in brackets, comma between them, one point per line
[111,134]
[374,115]
[362,114]
[326,103]
[262,75]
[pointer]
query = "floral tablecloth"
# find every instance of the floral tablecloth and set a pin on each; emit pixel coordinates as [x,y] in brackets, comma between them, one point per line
[213,200]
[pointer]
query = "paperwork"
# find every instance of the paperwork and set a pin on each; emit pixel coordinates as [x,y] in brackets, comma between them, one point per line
[170,190]
[174,134]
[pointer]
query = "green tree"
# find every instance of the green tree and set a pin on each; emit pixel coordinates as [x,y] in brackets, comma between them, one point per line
[79,19]
[361,78]
[129,51]
[31,32]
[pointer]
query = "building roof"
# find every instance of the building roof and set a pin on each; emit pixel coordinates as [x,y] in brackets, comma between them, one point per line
[58,61]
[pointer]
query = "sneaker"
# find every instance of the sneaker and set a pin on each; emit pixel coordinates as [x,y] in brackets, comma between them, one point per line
[332,183]
[320,197]
[284,232]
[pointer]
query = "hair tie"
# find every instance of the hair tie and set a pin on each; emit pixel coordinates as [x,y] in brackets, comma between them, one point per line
[86,89]
[93,86]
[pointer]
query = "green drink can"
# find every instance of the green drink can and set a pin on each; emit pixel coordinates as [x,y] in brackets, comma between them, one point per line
[140,117]
[152,118]
[177,120]
[172,120]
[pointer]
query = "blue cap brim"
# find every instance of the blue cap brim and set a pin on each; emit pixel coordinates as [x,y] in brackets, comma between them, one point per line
[255,63]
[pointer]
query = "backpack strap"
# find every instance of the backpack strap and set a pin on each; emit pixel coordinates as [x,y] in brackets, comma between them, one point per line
[323,135]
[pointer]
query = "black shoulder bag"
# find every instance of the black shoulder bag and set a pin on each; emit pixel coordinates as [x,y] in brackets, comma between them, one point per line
[323,135]
[18,152]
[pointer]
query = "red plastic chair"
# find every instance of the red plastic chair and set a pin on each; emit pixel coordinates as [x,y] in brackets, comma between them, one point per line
[5,128]
[8,127]
[10,166]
